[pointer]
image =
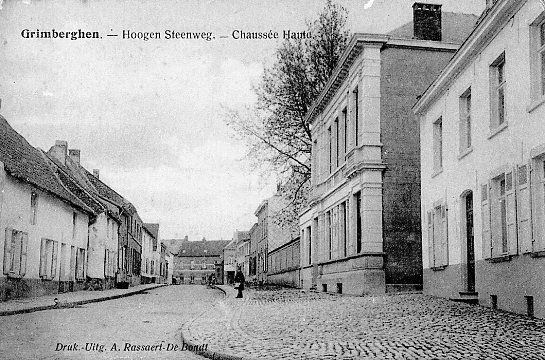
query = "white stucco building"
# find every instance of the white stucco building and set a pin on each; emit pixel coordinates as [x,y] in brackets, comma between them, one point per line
[482,126]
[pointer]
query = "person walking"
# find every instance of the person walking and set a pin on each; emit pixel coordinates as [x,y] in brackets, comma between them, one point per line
[239,283]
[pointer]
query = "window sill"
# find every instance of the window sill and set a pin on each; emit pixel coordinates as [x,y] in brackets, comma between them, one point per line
[439,268]
[501,258]
[535,104]
[436,172]
[465,153]
[14,276]
[497,130]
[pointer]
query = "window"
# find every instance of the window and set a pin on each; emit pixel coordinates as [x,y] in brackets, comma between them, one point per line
[204,264]
[344,226]
[465,120]
[438,236]
[329,234]
[152,270]
[74,222]
[337,144]
[355,100]
[499,216]
[345,131]
[48,259]
[359,224]
[80,264]
[438,145]
[537,31]
[330,137]
[15,252]
[497,89]
[309,239]
[33,207]
[192,264]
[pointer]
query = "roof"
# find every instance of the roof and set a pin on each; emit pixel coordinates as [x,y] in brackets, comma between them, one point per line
[202,248]
[153,229]
[23,161]
[108,193]
[75,187]
[455,27]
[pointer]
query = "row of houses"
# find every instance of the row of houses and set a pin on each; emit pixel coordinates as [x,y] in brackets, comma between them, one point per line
[427,166]
[63,229]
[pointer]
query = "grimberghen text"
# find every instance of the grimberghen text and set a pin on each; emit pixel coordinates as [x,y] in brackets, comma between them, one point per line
[55,34]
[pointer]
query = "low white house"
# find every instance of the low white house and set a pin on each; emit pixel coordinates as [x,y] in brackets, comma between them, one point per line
[43,235]
[483,164]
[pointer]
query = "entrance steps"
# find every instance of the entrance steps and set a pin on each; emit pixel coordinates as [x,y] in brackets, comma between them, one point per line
[468,297]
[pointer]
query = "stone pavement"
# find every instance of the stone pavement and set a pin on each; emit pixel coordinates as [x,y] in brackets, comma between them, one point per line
[293,324]
[69,299]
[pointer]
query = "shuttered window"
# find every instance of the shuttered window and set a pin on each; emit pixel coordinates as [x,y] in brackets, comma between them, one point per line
[438,252]
[524,209]
[48,259]
[15,252]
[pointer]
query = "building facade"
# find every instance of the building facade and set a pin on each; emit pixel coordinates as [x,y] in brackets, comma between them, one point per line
[483,172]
[196,260]
[254,238]
[242,259]
[229,255]
[284,266]
[361,233]
[44,227]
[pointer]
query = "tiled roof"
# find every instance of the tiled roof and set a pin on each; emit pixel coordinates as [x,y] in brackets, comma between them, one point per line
[456,27]
[23,161]
[108,193]
[202,248]
[75,187]
[153,229]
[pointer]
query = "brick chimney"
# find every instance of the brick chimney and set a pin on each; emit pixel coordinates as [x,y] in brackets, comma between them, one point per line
[59,151]
[96,173]
[74,155]
[427,21]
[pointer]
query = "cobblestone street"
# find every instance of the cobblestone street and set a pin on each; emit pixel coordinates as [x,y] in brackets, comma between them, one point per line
[292,324]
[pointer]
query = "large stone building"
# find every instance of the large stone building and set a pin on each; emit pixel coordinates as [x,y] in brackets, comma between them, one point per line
[196,260]
[361,233]
[483,156]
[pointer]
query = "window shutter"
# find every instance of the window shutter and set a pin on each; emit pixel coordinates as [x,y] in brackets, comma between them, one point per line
[444,233]
[431,258]
[72,263]
[524,209]
[24,246]
[43,257]
[511,204]
[106,262]
[485,213]
[7,250]
[54,260]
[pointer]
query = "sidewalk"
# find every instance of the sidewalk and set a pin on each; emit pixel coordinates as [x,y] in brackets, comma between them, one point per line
[71,299]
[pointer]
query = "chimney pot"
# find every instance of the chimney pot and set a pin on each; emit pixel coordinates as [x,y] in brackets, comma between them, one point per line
[96,173]
[427,21]
[74,155]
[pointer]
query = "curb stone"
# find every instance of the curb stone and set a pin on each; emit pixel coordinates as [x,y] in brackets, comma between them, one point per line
[214,355]
[76,303]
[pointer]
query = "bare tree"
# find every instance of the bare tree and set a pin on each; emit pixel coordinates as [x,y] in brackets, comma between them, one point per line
[278,139]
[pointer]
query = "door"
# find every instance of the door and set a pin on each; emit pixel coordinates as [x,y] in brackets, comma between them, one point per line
[470,244]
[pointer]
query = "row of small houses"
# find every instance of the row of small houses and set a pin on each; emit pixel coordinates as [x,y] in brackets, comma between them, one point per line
[63,229]
[427,167]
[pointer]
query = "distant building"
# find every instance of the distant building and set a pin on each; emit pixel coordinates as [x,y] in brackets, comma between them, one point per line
[229,262]
[483,165]
[150,254]
[196,260]
[44,227]
[242,240]
[361,232]
[254,239]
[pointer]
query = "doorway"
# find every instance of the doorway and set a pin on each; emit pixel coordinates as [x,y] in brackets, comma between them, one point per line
[470,243]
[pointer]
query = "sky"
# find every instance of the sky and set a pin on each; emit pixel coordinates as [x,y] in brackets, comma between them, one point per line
[148,114]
